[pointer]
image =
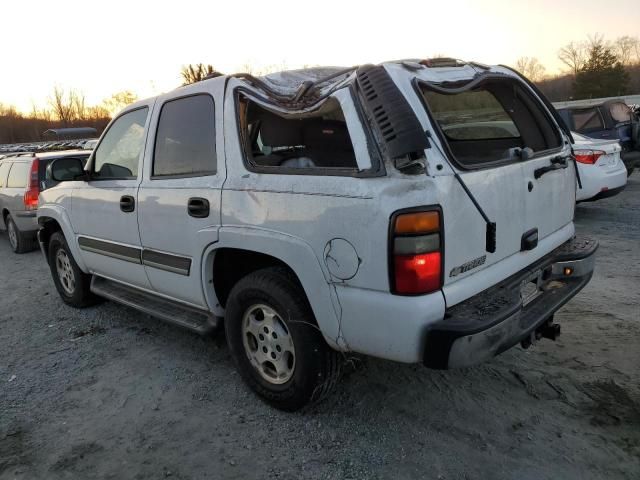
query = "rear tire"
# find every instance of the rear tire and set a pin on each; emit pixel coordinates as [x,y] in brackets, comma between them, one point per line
[275,342]
[72,284]
[20,242]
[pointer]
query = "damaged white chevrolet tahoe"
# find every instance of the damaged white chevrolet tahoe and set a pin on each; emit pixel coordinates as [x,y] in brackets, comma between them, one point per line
[416,211]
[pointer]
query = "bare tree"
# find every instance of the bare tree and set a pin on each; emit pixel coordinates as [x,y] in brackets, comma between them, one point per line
[626,48]
[79,106]
[531,68]
[198,72]
[118,101]
[62,105]
[573,55]
[597,40]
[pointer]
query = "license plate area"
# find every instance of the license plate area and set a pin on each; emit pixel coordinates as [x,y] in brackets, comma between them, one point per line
[531,288]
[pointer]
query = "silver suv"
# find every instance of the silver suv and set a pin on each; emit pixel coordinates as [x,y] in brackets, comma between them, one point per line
[411,211]
[22,177]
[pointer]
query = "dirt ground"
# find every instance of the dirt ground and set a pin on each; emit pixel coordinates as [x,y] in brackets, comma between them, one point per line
[109,393]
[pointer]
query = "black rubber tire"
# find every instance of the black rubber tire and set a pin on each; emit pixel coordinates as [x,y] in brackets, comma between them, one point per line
[82,296]
[26,242]
[317,367]
[630,171]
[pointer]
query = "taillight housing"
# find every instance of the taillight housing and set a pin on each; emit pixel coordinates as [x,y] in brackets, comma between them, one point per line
[415,251]
[33,189]
[588,157]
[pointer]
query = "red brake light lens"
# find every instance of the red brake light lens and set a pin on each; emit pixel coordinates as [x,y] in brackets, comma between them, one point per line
[415,274]
[588,157]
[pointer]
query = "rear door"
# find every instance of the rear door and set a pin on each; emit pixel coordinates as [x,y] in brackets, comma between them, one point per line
[180,193]
[512,157]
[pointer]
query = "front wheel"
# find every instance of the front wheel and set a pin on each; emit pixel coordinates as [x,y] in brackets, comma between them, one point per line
[72,284]
[275,341]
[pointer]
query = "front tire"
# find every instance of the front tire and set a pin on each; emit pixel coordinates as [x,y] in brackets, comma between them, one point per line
[275,341]
[72,284]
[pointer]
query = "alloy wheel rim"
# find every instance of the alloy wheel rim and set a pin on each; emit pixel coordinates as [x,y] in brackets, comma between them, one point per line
[65,272]
[268,344]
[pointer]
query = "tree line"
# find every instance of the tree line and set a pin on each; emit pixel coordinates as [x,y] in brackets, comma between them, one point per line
[595,68]
[64,108]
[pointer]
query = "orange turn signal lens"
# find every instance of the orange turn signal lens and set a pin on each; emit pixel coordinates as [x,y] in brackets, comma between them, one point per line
[418,222]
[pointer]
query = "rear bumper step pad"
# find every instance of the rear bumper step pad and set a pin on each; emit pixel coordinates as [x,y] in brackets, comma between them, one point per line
[502,316]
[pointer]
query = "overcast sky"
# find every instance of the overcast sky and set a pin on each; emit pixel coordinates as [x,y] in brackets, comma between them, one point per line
[101,47]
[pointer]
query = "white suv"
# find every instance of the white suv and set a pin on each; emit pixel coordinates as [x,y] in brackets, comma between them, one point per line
[414,211]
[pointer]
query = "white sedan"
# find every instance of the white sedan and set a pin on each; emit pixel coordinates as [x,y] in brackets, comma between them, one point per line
[602,172]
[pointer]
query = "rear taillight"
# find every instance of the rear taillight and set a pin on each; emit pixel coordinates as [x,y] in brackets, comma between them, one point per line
[33,190]
[416,252]
[588,157]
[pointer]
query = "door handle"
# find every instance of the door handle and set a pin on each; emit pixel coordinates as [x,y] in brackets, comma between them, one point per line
[529,240]
[557,163]
[198,207]
[127,203]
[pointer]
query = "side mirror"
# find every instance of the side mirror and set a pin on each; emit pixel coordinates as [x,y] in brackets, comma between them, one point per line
[65,169]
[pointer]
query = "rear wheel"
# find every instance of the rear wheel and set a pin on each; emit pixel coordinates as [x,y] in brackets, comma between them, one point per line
[275,342]
[20,242]
[71,282]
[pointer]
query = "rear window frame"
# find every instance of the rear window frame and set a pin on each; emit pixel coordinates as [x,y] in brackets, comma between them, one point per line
[418,83]
[377,165]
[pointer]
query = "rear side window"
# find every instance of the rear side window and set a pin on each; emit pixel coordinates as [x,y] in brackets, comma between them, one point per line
[4,170]
[18,175]
[186,140]
[306,143]
[587,120]
[491,122]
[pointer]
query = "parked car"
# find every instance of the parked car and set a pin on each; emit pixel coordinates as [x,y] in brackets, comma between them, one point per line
[22,178]
[611,120]
[324,211]
[90,144]
[602,172]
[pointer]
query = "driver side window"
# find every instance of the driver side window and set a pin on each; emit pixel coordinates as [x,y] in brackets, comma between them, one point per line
[118,154]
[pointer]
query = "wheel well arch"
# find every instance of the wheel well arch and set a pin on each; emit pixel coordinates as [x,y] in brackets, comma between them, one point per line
[5,214]
[48,226]
[232,264]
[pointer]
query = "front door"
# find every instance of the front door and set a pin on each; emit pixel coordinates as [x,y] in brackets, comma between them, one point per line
[180,193]
[104,210]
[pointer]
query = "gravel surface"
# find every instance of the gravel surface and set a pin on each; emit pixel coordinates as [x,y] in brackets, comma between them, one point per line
[107,392]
